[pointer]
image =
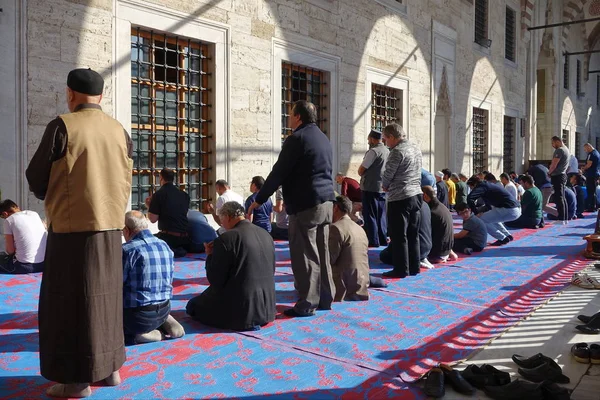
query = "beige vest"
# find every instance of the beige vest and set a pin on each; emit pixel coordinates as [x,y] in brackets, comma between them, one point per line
[89,187]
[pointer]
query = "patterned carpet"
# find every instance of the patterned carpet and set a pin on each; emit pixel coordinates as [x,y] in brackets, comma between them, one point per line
[368,349]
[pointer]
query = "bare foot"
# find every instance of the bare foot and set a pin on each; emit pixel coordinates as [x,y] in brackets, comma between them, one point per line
[113,379]
[173,328]
[71,390]
[452,256]
[152,336]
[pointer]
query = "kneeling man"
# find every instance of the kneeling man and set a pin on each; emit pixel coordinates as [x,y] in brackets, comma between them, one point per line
[240,268]
[147,284]
[348,247]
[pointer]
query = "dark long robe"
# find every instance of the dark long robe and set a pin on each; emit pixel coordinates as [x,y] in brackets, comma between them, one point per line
[241,273]
[81,298]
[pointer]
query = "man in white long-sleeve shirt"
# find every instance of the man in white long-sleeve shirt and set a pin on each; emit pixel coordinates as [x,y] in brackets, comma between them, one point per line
[402,182]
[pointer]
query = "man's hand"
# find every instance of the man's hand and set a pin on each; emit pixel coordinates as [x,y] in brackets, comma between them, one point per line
[251,209]
[210,208]
[208,248]
[385,189]
[148,201]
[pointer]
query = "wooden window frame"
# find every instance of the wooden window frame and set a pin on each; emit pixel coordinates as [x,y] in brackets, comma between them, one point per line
[390,107]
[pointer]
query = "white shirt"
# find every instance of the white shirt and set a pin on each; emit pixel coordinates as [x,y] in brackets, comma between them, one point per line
[29,235]
[573,165]
[512,189]
[227,196]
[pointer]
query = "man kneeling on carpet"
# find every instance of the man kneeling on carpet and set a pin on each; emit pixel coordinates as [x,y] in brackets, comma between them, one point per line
[473,236]
[147,284]
[240,268]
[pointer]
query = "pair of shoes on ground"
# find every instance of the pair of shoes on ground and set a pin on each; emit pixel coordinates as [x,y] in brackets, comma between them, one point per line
[436,379]
[539,368]
[585,281]
[80,390]
[592,324]
[170,328]
[586,354]
[504,241]
[523,390]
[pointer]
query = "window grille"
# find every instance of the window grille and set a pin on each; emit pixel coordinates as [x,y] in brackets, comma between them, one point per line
[509,144]
[302,83]
[481,22]
[578,84]
[170,114]
[480,139]
[510,35]
[566,73]
[386,106]
[565,137]
[576,151]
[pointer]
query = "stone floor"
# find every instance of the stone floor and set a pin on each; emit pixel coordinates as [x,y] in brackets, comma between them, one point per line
[551,331]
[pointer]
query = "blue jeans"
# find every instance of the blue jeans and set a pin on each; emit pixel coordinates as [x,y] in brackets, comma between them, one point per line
[494,220]
[144,319]
[374,216]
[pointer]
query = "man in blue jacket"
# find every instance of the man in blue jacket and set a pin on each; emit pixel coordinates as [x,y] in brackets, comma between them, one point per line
[304,170]
[591,171]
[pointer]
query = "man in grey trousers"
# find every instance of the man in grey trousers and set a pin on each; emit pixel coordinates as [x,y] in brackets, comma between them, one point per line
[304,170]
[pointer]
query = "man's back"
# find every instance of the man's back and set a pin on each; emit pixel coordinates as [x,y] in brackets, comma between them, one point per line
[442,230]
[228,195]
[442,193]
[351,189]
[531,203]
[461,192]
[477,230]
[540,176]
[402,174]
[147,271]
[563,155]
[171,205]
[29,235]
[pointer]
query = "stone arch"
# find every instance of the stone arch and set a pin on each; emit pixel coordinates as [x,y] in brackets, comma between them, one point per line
[573,9]
[527,7]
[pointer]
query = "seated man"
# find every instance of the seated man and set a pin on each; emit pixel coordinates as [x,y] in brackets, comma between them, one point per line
[498,207]
[461,189]
[348,247]
[225,195]
[240,268]
[351,189]
[576,182]
[169,206]
[147,284]
[473,236]
[531,206]
[261,216]
[279,228]
[571,200]
[508,184]
[25,239]
[199,231]
[442,230]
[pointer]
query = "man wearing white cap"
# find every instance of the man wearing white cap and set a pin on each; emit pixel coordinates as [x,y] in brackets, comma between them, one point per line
[442,189]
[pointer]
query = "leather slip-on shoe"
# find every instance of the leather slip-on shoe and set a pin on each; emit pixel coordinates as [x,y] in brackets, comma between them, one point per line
[551,391]
[534,361]
[516,390]
[595,353]
[456,380]
[544,372]
[291,312]
[581,352]
[486,375]
[434,385]
[587,318]
[394,274]
[587,329]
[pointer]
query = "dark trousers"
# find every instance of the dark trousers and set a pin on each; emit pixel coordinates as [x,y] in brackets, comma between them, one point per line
[524,223]
[463,243]
[404,220]
[558,184]
[591,200]
[179,244]
[374,216]
[278,233]
[10,265]
[144,319]
[309,252]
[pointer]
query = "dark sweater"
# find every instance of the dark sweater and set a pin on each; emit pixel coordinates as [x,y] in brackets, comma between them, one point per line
[442,193]
[442,230]
[492,195]
[303,169]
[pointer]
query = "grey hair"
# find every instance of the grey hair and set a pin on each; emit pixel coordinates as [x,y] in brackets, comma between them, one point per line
[396,131]
[135,221]
[232,209]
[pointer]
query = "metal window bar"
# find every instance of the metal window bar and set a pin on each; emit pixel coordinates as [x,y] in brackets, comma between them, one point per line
[578,81]
[481,20]
[510,36]
[170,121]
[565,137]
[508,159]
[566,73]
[480,139]
[299,82]
[386,106]
[576,150]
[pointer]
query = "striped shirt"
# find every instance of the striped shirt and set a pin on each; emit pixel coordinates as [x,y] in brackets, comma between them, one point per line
[402,174]
[147,271]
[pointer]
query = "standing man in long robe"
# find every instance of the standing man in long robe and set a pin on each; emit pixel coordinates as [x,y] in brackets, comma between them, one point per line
[82,171]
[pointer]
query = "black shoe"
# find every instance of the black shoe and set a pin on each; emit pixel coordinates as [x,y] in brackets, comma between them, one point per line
[456,380]
[291,312]
[588,330]
[394,274]
[595,353]
[551,391]
[434,385]
[516,390]
[544,372]
[500,242]
[581,352]
[486,375]
[534,361]
[510,238]
[586,319]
